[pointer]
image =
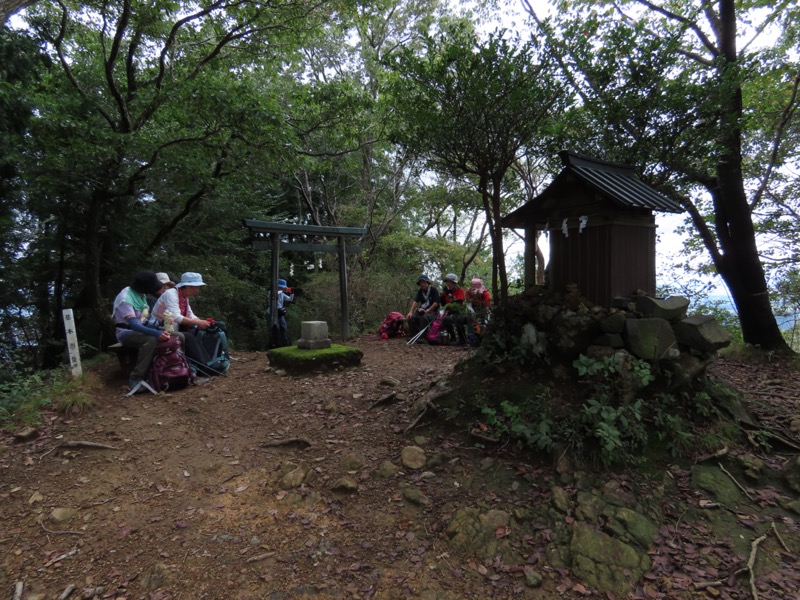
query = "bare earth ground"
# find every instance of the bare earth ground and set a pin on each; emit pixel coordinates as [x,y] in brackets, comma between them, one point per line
[187,502]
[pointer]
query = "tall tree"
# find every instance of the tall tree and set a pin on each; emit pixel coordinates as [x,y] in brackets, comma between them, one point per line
[472,107]
[154,104]
[679,88]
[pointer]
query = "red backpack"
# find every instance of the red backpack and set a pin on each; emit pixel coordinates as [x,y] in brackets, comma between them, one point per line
[169,370]
[392,325]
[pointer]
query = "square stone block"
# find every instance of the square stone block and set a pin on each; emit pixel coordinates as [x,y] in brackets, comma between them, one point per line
[313,335]
[314,330]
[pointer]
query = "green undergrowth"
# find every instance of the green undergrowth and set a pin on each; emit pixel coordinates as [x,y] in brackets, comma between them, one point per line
[25,395]
[296,359]
[599,412]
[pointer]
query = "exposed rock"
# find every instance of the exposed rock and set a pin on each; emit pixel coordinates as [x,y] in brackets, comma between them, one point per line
[533,579]
[791,473]
[701,333]
[295,478]
[351,462]
[609,340]
[571,333]
[388,469]
[345,484]
[613,323]
[543,315]
[62,515]
[670,309]
[156,578]
[604,562]
[687,369]
[631,526]
[589,506]
[650,339]
[561,499]
[390,381]
[413,457]
[415,496]
[26,434]
[474,533]
[714,481]
[533,340]
[752,465]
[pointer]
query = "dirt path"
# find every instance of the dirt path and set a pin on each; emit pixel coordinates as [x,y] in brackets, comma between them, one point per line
[195,500]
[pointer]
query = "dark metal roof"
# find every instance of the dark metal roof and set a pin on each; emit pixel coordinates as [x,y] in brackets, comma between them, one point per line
[626,190]
[616,182]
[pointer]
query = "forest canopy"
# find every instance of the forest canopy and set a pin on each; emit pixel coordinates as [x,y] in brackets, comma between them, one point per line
[139,135]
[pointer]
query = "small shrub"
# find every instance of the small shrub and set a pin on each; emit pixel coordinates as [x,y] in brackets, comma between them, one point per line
[22,398]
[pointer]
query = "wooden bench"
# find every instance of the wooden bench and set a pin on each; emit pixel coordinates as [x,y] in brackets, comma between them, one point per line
[126,355]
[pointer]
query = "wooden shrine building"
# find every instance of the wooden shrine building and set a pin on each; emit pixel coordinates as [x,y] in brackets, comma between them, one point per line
[602,230]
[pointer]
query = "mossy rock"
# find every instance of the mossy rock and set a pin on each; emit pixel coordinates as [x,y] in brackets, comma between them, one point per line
[296,359]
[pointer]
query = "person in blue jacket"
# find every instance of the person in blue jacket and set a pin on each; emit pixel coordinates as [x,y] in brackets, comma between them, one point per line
[130,313]
[279,336]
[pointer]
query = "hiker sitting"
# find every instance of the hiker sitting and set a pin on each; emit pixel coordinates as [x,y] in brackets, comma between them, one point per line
[167,282]
[174,303]
[129,313]
[424,308]
[478,302]
[454,309]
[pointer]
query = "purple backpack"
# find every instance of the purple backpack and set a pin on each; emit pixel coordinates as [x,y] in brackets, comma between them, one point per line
[169,369]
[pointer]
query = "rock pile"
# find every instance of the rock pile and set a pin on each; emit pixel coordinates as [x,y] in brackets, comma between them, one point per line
[657,330]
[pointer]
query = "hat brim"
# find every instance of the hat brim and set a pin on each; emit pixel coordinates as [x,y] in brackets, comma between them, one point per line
[197,284]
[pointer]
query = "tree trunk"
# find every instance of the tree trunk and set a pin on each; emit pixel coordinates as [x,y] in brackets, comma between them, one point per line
[740,266]
[498,252]
[9,7]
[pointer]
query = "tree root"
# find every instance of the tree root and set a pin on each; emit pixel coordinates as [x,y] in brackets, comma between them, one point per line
[383,400]
[479,435]
[79,444]
[302,442]
[41,522]
[749,568]
[424,404]
[422,407]
[741,488]
[266,555]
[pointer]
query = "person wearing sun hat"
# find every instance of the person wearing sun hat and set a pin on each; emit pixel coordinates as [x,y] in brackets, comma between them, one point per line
[176,302]
[425,306]
[279,337]
[130,312]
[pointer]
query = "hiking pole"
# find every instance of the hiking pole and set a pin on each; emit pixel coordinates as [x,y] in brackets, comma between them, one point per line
[419,335]
[202,366]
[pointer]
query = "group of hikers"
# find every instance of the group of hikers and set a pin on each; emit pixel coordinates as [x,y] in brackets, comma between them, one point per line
[452,316]
[153,316]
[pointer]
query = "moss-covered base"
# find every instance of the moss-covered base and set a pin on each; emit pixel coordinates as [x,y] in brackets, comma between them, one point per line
[296,359]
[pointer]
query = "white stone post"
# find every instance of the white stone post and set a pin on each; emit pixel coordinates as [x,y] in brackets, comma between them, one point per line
[72,342]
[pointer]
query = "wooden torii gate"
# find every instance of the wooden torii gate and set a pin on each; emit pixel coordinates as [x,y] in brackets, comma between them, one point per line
[266,236]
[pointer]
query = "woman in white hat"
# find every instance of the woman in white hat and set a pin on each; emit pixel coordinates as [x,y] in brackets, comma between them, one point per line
[176,301]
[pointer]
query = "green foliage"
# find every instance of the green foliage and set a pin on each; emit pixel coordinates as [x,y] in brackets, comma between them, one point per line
[23,396]
[699,114]
[525,420]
